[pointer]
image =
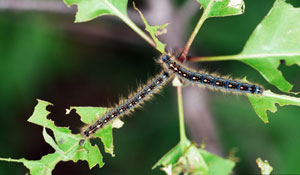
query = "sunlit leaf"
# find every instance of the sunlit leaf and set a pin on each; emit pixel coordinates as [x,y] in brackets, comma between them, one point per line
[223,7]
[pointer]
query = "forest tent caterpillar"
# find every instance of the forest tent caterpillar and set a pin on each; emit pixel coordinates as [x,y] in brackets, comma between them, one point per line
[208,80]
[128,105]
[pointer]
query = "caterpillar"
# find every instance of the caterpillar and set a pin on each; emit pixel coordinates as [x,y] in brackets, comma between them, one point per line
[171,68]
[127,106]
[208,80]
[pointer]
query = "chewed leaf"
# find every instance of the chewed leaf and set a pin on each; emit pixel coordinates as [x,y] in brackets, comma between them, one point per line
[276,38]
[67,146]
[193,161]
[89,114]
[90,9]
[154,31]
[264,166]
[219,8]
[267,101]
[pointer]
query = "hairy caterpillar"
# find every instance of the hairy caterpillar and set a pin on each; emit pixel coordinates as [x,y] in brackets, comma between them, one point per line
[171,67]
[208,80]
[128,105]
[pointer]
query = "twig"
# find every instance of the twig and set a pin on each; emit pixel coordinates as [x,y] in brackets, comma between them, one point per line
[196,30]
[181,119]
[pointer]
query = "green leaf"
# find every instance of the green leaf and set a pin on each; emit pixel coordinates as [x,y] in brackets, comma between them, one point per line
[172,156]
[276,38]
[264,166]
[90,9]
[216,164]
[262,103]
[219,8]
[193,161]
[90,114]
[68,146]
[154,31]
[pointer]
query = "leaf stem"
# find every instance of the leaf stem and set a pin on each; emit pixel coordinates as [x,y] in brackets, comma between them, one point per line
[242,56]
[195,31]
[128,21]
[216,58]
[10,160]
[183,138]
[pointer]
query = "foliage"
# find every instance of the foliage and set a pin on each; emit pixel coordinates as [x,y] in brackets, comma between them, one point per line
[193,160]
[275,39]
[267,102]
[90,9]
[223,8]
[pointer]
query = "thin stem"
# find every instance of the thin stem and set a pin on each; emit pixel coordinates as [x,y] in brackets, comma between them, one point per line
[242,56]
[128,21]
[196,30]
[183,138]
[10,160]
[216,58]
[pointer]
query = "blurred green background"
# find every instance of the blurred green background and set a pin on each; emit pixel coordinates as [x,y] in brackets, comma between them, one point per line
[45,55]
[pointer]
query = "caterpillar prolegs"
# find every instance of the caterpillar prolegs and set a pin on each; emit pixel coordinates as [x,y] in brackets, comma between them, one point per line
[127,106]
[208,80]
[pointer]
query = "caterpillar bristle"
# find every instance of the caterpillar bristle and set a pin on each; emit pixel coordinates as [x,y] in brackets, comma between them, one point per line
[171,68]
[209,80]
[126,106]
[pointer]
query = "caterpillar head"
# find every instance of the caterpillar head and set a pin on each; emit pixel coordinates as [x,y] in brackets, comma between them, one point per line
[259,90]
[165,58]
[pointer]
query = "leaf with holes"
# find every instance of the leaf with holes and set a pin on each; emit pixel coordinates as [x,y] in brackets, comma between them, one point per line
[67,146]
[154,31]
[266,102]
[276,38]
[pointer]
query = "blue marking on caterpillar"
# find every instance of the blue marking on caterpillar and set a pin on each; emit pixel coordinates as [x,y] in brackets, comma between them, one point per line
[208,80]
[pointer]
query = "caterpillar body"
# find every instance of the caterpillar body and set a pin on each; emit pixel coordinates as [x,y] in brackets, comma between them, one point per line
[127,106]
[171,68]
[208,80]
